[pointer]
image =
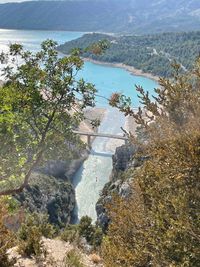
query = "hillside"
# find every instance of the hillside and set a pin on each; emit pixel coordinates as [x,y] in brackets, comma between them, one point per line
[103,15]
[150,53]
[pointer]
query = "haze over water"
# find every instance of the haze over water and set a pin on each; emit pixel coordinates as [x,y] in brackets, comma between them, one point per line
[95,172]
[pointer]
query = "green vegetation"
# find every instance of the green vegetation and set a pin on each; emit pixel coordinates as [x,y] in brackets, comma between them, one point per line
[92,233]
[124,16]
[159,225]
[70,234]
[31,232]
[73,259]
[150,53]
[41,104]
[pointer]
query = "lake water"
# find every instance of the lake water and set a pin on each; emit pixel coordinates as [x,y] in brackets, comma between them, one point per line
[95,172]
[107,79]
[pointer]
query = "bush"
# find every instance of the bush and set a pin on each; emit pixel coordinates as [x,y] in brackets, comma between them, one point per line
[31,232]
[73,259]
[97,237]
[93,234]
[70,234]
[86,229]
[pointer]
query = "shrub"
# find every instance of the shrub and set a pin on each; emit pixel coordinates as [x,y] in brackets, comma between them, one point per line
[70,234]
[86,229]
[73,259]
[97,237]
[93,234]
[31,232]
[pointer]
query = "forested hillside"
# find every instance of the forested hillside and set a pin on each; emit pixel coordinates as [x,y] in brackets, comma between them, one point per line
[103,15]
[150,53]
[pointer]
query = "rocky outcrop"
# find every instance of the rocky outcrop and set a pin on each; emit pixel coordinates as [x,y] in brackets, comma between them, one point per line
[51,195]
[122,160]
[51,190]
[120,182]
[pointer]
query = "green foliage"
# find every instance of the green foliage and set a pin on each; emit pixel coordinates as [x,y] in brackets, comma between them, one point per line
[97,237]
[31,232]
[73,259]
[150,53]
[12,204]
[93,234]
[70,234]
[159,224]
[86,228]
[41,104]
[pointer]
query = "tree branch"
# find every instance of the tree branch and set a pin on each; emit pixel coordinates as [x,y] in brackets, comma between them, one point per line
[26,179]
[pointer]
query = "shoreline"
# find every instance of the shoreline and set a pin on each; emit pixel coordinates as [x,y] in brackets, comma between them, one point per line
[132,70]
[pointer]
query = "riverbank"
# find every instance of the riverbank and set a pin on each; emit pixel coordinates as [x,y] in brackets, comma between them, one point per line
[128,68]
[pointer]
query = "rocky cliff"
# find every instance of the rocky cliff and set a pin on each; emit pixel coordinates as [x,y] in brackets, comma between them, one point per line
[124,160]
[51,195]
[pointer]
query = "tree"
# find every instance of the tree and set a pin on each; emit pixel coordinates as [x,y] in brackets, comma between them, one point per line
[41,103]
[159,224]
[92,233]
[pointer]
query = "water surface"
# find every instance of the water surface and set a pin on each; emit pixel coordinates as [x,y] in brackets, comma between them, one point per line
[94,173]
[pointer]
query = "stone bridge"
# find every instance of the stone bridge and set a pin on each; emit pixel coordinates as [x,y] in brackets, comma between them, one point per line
[90,134]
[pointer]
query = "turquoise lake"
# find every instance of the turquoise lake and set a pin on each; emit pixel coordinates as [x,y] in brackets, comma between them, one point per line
[106,79]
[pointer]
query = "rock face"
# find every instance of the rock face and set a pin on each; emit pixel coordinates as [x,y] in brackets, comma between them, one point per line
[119,184]
[121,159]
[51,191]
[51,195]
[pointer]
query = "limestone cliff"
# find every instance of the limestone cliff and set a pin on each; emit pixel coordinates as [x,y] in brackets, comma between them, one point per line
[124,160]
[51,195]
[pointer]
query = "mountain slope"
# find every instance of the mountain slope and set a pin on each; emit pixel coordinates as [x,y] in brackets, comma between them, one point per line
[150,53]
[103,15]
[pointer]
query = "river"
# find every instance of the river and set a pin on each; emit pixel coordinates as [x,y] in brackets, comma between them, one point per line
[95,171]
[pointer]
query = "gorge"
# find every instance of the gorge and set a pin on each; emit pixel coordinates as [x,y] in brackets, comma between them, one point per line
[94,173]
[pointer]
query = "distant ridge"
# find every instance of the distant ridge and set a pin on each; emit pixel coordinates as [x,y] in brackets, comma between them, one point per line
[150,53]
[124,16]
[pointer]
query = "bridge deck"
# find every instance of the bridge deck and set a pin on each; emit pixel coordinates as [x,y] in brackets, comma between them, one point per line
[102,135]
